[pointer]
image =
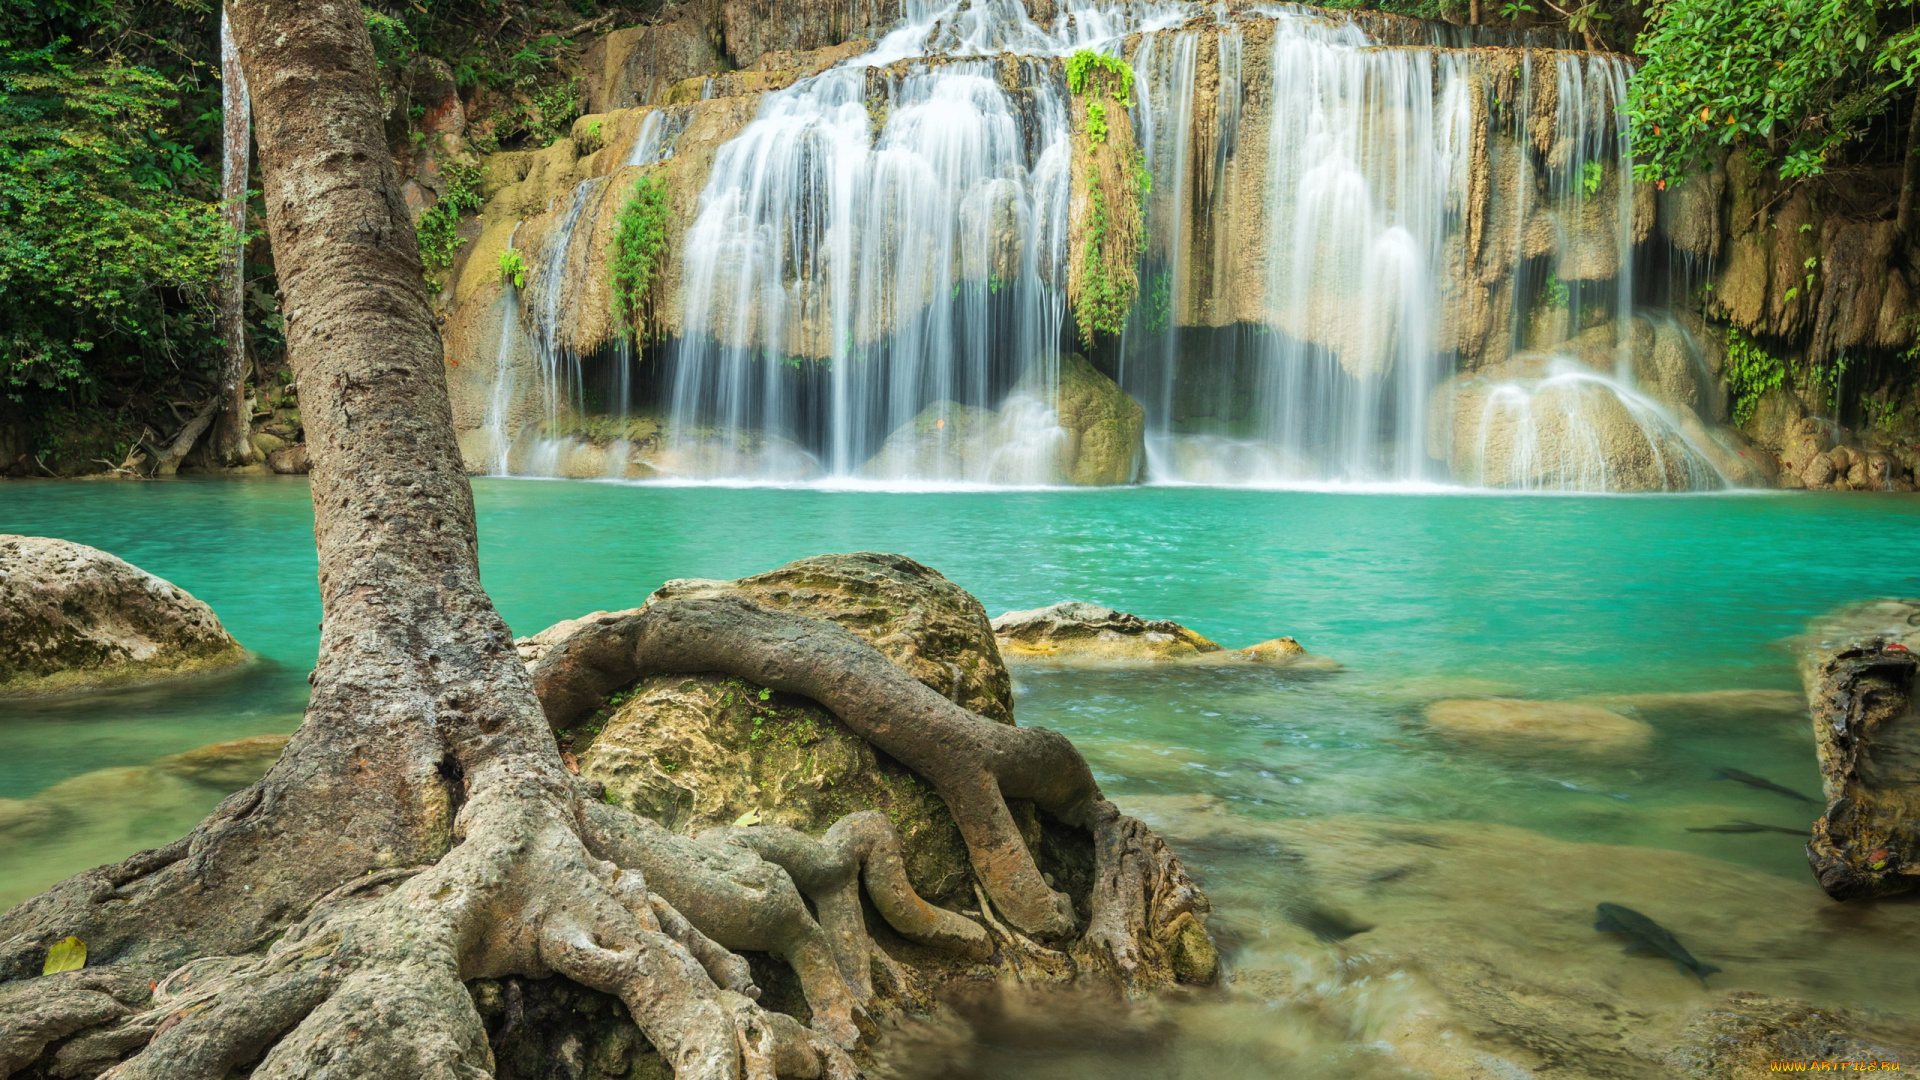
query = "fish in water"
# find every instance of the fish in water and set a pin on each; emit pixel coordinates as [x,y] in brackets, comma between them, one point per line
[1751,826]
[1650,936]
[1760,782]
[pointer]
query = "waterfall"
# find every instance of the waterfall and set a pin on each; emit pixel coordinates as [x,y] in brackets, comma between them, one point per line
[1369,244]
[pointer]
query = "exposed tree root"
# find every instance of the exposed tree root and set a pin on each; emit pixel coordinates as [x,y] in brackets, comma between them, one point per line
[976,765]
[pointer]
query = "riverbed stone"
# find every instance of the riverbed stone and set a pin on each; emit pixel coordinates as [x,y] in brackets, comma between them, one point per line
[1515,724]
[1476,957]
[74,617]
[232,764]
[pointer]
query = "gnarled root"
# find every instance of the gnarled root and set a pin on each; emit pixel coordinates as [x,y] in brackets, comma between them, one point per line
[859,847]
[1144,907]
[976,765]
[371,983]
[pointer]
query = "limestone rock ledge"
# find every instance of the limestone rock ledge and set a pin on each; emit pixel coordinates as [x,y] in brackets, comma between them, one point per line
[1075,632]
[74,617]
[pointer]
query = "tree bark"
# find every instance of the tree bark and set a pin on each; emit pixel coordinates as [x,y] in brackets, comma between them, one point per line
[231,434]
[1909,177]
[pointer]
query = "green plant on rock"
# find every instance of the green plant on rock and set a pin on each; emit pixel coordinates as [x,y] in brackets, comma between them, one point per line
[1082,65]
[1106,293]
[1751,372]
[1591,177]
[1555,292]
[639,243]
[513,269]
[439,227]
[1096,122]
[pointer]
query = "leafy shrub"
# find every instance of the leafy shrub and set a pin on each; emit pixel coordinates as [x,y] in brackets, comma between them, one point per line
[438,229]
[640,241]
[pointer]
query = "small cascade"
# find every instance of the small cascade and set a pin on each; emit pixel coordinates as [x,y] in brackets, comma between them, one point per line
[500,400]
[1576,429]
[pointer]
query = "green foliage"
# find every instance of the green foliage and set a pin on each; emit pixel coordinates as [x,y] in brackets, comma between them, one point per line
[1792,80]
[109,237]
[1555,293]
[1160,303]
[639,243]
[1591,177]
[1083,64]
[438,228]
[1513,9]
[1096,122]
[513,269]
[1751,372]
[1105,294]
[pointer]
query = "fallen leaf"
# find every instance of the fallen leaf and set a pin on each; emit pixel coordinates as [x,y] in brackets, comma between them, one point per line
[751,817]
[571,762]
[67,955]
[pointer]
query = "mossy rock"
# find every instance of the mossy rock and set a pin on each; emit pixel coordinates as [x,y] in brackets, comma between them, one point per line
[1106,428]
[73,617]
[694,751]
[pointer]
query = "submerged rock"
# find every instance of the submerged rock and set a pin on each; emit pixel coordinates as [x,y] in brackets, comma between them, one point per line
[1516,724]
[1747,1033]
[73,617]
[232,764]
[1076,632]
[1486,931]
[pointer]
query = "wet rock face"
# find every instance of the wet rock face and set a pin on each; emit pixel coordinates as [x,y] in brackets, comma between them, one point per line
[696,751]
[1859,665]
[73,617]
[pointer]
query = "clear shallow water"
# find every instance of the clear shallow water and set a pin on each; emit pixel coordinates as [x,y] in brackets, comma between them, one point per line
[1421,597]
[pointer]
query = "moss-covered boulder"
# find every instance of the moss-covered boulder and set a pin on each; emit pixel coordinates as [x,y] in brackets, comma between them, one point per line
[1105,428]
[695,751]
[74,617]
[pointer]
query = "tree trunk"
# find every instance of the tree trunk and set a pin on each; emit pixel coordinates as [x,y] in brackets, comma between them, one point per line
[421,830]
[1909,176]
[231,435]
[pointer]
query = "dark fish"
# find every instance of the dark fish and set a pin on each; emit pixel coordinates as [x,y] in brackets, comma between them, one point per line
[1760,782]
[1650,936]
[1751,826]
[1328,926]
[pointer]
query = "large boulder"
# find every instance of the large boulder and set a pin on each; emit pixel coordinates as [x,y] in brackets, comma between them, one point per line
[73,617]
[696,751]
[1074,632]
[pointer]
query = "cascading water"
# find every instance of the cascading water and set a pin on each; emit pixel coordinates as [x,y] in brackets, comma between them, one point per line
[1340,255]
